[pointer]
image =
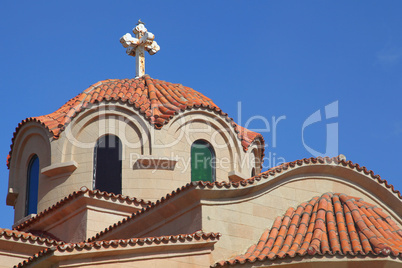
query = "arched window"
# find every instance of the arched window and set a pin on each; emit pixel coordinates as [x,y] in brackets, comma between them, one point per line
[254,163]
[107,164]
[202,161]
[31,201]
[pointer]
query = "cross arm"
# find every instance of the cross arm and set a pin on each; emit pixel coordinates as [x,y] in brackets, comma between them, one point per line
[128,41]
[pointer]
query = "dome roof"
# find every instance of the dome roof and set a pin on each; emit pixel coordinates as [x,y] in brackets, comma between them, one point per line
[158,101]
[334,224]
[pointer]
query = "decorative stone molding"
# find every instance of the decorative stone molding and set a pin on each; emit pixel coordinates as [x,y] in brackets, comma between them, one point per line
[155,162]
[60,168]
[11,196]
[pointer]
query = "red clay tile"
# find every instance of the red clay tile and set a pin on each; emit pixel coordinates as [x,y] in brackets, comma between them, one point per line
[326,232]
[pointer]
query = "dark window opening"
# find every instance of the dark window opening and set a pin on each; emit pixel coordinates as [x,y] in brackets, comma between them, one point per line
[253,172]
[202,162]
[107,164]
[31,203]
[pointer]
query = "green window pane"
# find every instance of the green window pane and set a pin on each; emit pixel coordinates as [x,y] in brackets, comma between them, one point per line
[202,162]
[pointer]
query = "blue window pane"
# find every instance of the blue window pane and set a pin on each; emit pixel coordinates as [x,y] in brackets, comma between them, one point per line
[32,186]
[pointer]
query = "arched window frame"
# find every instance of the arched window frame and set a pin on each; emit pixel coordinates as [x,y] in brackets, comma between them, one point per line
[212,163]
[114,176]
[32,186]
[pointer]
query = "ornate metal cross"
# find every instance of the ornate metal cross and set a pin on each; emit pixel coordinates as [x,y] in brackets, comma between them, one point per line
[143,40]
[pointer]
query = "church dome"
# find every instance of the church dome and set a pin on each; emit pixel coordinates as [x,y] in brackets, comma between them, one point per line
[158,101]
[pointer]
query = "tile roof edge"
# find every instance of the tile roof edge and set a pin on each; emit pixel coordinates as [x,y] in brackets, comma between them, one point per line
[112,244]
[83,190]
[300,163]
[19,235]
[305,255]
[337,160]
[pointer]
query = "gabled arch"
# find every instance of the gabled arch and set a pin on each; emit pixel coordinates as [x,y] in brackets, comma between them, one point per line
[76,136]
[181,124]
[32,139]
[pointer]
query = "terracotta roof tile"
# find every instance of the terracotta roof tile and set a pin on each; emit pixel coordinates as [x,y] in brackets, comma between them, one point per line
[132,242]
[76,194]
[24,236]
[334,224]
[157,100]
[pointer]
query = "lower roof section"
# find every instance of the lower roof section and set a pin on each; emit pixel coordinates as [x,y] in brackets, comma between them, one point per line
[148,251]
[330,225]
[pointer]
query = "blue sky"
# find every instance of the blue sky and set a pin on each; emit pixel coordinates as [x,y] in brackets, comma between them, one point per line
[279,59]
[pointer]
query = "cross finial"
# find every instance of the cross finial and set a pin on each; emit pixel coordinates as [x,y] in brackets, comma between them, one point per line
[143,40]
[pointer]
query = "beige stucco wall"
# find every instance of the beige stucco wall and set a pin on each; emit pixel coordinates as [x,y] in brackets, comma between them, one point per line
[84,224]
[14,250]
[177,260]
[9,259]
[139,139]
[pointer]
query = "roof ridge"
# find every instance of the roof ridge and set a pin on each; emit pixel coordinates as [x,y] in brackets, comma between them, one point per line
[197,235]
[74,195]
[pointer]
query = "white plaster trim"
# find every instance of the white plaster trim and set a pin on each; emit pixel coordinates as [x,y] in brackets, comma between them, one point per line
[59,168]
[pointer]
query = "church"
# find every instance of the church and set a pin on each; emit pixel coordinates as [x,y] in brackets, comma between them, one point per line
[146,173]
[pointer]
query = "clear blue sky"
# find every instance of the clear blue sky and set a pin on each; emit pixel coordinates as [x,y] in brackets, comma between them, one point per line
[278,58]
